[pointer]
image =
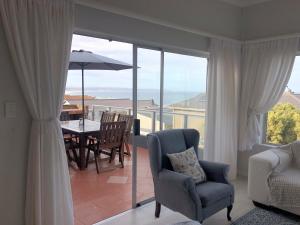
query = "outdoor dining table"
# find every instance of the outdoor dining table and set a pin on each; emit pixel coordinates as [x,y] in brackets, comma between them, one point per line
[90,128]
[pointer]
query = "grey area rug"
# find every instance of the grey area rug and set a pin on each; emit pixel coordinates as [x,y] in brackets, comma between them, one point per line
[188,223]
[260,216]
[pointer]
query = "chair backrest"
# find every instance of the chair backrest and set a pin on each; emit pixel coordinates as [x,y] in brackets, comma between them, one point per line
[111,134]
[64,116]
[129,121]
[108,117]
[169,141]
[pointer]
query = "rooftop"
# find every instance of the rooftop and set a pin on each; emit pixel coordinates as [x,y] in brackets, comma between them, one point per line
[290,97]
[78,97]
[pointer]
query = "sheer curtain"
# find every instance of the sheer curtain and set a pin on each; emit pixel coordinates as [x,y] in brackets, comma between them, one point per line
[222,109]
[266,69]
[39,35]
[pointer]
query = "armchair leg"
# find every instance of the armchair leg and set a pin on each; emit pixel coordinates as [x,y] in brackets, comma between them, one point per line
[157,209]
[229,208]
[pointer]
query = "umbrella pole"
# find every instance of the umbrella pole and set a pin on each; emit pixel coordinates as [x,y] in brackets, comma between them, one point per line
[82,91]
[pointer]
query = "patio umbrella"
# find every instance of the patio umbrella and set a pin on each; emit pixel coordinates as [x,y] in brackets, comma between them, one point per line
[85,60]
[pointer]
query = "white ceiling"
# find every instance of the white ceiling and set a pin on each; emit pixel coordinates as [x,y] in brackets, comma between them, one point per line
[245,3]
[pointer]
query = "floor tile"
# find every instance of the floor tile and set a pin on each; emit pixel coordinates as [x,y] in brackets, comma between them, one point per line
[117,180]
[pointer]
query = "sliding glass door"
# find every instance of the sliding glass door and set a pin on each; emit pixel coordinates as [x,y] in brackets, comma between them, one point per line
[148,105]
[163,90]
[169,93]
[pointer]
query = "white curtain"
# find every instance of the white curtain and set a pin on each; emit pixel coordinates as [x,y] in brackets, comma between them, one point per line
[266,69]
[223,98]
[39,35]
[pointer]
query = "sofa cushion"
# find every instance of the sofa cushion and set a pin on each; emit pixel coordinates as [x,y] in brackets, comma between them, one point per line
[296,153]
[186,162]
[285,188]
[285,157]
[212,192]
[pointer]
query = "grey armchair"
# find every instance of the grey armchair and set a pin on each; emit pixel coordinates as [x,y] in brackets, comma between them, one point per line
[178,191]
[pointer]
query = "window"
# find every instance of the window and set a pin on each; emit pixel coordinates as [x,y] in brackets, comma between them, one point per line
[185,93]
[283,120]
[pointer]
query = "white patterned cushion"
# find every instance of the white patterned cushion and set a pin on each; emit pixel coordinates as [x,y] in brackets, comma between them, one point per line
[187,163]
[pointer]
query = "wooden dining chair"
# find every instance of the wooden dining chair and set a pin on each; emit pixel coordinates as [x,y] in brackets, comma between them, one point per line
[71,145]
[129,121]
[105,118]
[64,116]
[70,140]
[108,117]
[108,141]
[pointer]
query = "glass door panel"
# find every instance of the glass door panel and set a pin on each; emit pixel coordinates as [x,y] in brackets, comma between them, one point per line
[185,93]
[148,103]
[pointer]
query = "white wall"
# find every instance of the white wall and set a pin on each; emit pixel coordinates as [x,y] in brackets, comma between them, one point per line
[214,17]
[94,21]
[273,18]
[13,143]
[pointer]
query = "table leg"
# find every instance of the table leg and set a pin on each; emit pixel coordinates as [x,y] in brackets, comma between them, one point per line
[81,163]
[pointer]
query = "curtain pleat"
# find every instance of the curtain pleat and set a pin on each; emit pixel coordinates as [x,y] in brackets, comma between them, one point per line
[222,107]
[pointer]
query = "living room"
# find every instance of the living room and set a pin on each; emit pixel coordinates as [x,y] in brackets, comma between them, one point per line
[250,49]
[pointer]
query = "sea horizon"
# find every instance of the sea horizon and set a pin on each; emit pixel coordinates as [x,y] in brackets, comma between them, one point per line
[170,96]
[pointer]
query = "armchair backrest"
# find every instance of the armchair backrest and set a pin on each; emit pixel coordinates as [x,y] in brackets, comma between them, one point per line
[169,141]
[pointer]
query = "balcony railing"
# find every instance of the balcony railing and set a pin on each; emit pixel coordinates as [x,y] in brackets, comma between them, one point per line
[150,120]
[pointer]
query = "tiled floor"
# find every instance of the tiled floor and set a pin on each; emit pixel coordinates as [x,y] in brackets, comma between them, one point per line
[100,196]
[145,215]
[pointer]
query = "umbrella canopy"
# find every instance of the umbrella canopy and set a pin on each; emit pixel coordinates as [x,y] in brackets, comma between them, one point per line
[91,61]
[85,60]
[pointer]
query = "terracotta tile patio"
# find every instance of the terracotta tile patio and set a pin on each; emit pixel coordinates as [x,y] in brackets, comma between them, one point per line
[100,196]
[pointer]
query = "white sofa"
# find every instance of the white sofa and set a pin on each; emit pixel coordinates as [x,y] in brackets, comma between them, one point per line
[281,163]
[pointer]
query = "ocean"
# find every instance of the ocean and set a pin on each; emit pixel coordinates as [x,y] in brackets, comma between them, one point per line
[170,97]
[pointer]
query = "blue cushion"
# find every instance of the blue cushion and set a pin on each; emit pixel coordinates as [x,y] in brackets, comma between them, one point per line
[212,192]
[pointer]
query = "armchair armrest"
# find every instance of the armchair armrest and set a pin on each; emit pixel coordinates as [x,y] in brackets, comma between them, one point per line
[261,165]
[176,186]
[176,180]
[215,171]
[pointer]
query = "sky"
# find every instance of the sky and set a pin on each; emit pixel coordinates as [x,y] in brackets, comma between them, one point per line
[294,82]
[182,73]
